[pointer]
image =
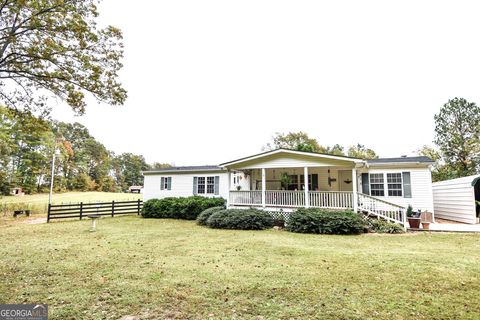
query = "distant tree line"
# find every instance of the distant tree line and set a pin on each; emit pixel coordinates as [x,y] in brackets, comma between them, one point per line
[27,144]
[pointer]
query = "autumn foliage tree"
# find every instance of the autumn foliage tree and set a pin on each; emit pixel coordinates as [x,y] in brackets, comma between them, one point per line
[55,48]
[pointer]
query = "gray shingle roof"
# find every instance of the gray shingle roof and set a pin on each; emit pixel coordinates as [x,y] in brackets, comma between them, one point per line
[421,159]
[185,169]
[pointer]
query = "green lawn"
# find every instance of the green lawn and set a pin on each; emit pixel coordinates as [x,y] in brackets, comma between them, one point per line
[38,203]
[158,269]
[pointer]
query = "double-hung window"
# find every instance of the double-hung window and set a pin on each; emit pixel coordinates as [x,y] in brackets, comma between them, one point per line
[201,185]
[210,185]
[377,187]
[394,182]
[206,185]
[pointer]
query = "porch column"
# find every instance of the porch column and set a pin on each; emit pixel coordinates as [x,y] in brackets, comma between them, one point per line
[264,186]
[229,187]
[355,186]
[305,179]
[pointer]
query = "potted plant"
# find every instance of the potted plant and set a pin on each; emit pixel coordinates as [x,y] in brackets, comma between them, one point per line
[413,219]
[286,180]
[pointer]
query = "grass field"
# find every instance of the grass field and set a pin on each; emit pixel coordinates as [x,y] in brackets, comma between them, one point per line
[167,269]
[38,203]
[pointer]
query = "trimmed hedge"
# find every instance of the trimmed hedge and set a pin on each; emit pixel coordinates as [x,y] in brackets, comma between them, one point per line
[313,220]
[248,219]
[203,217]
[179,208]
[382,226]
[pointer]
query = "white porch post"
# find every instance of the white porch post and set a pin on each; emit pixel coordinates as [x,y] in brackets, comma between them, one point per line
[305,179]
[355,186]
[229,188]
[264,186]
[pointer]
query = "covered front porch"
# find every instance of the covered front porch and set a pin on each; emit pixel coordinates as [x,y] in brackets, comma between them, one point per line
[321,187]
[282,180]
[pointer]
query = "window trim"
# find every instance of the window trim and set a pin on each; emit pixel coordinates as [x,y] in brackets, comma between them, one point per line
[205,185]
[385,183]
[401,184]
[377,183]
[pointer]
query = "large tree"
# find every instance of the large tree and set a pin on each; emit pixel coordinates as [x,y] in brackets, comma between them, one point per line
[55,48]
[295,141]
[441,170]
[361,152]
[457,134]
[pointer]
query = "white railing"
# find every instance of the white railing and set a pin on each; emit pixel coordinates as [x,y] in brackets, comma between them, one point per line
[284,198]
[293,199]
[331,199]
[246,198]
[380,208]
[320,199]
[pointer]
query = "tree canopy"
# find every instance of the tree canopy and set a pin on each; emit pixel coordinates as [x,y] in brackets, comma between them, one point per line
[457,135]
[26,147]
[54,47]
[301,141]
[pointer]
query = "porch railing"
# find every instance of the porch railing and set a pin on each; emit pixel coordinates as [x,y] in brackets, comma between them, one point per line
[320,199]
[293,199]
[246,198]
[331,199]
[285,198]
[380,208]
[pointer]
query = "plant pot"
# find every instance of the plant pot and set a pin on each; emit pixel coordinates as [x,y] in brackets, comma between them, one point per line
[426,225]
[414,223]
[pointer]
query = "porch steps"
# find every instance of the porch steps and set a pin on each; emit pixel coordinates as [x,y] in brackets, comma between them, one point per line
[372,206]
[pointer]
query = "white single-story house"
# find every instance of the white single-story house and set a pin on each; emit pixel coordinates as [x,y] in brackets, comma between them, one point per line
[282,179]
[456,199]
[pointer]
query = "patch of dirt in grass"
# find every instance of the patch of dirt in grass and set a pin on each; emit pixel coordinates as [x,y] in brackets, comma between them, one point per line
[35,221]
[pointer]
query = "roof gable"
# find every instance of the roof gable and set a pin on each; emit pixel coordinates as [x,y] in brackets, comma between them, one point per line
[283,158]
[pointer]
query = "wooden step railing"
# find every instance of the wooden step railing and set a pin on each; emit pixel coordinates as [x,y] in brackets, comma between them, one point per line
[381,208]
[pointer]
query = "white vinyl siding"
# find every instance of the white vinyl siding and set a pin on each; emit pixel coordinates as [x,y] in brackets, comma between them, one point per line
[182,185]
[455,200]
[421,187]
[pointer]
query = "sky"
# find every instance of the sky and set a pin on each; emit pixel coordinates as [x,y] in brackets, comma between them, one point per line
[212,81]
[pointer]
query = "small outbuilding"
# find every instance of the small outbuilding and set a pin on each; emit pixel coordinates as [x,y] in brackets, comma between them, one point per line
[456,199]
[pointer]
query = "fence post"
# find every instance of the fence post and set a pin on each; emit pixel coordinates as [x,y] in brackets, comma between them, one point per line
[48,215]
[138,207]
[113,208]
[81,210]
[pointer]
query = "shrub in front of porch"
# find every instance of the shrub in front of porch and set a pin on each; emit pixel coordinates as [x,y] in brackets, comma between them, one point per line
[180,207]
[203,217]
[321,221]
[382,226]
[249,219]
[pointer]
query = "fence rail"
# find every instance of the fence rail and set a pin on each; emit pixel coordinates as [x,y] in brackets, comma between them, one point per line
[82,210]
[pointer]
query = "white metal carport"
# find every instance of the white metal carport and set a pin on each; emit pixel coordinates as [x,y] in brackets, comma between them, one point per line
[455,199]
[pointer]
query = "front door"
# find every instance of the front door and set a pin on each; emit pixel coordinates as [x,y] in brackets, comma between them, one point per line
[345,182]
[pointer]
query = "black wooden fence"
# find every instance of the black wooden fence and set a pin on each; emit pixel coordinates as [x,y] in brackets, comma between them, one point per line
[82,210]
